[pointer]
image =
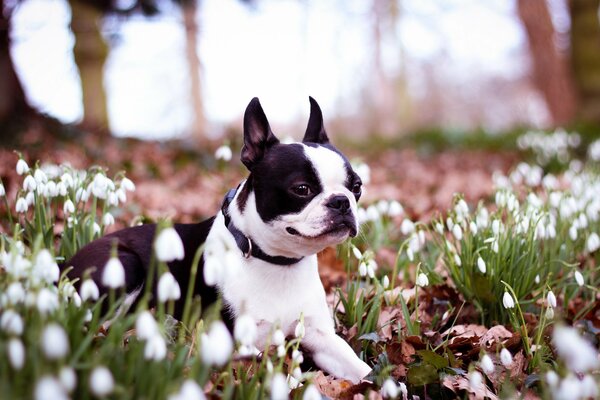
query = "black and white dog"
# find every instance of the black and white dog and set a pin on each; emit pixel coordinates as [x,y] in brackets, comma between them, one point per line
[298,199]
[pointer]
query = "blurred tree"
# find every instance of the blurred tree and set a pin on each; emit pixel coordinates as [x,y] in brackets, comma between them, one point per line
[585,56]
[551,71]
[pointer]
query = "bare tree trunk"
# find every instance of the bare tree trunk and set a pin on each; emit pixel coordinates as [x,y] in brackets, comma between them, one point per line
[90,53]
[585,56]
[198,128]
[551,70]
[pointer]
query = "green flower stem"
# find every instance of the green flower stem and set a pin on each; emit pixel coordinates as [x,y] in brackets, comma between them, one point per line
[523,326]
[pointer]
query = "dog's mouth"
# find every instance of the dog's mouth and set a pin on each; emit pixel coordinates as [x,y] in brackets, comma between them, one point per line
[340,229]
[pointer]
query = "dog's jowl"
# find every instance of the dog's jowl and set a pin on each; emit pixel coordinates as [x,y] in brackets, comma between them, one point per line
[298,199]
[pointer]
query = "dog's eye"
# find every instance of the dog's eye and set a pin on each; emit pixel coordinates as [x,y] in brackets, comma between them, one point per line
[301,190]
[357,189]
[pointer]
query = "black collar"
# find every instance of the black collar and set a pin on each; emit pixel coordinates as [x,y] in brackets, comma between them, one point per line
[247,245]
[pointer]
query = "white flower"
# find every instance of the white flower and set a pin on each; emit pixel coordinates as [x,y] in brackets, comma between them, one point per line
[389,389]
[67,180]
[410,254]
[395,209]
[68,378]
[45,267]
[16,353]
[50,190]
[508,301]
[552,378]
[2,190]
[21,206]
[113,275]
[385,282]
[457,232]
[300,330]
[108,219]
[46,301]
[297,357]
[244,330]
[216,345]
[551,299]
[573,232]
[101,185]
[189,390]
[29,184]
[49,388]
[11,323]
[579,278]
[506,358]
[473,228]
[223,153]
[168,245]
[278,337]
[102,382]
[593,243]
[371,268]
[549,313]
[457,260]
[15,293]
[357,253]
[68,207]
[30,198]
[89,290]
[40,176]
[146,326]
[22,167]
[127,184]
[97,229]
[439,228]
[407,226]
[475,381]
[156,348]
[537,279]
[362,269]
[422,280]
[168,288]
[577,353]
[364,172]
[311,393]
[279,387]
[487,365]
[55,343]
[481,265]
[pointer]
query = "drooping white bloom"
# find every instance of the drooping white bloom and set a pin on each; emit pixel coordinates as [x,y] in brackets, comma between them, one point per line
[101,382]
[439,228]
[22,167]
[457,232]
[146,326]
[45,267]
[108,219]
[68,207]
[362,269]
[422,280]
[97,229]
[487,365]
[371,268]
[395,209]
[223,153]
[577,353]
[40,176]
[29,184]
[357,253]
[389,389]
[385,282]
[506,358]
[593,242]
[279,387]
[49,388]
[156,348]
[551,299]
[101,185]
[579,278]
[300,330]
[89,290]
[311,393]
[168,245]
[16,353]
[549,313]
[113,275]
[278,337]
[364,172]
[189,390]
[2,190]
[573,232]
[475,380]
[407,226]
[481,265]
[15,293]
[473,228]
[244,330]
[54,342]
[216,345]
[508,301]
[21,206]
[127,184]
[11,322]
[46,301]
[68,378]
[457,260]
[168,288]
[552,378]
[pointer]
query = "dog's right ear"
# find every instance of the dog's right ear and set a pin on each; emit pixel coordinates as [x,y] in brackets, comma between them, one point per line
[258,137]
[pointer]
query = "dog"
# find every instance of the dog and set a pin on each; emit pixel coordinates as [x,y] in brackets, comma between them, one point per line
[298,199]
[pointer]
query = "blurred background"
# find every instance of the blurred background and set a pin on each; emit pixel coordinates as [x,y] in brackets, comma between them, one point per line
[184,69]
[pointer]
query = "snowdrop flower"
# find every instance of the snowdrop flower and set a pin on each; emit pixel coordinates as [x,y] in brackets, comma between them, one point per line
[385,282]
[422,280]
[22,167]
[45,267]
[50,190]
[552,378]
[410,254]
[113,275]
[495,246]
[389,390]
[475,381]
[364,172]
[223,153]
[101,185]
[473,228]
[482,218]
[297,357]
[395,209]
[373,213]
[68,207]
[487,365]
[573,232]
[278,337]
[457,232]
[49,388]
[16,353]
[40,176]
[155,349]
[481,265]
[462,210]
[101,382]
[551,299]
[46,301]
[29,183]
[579,278]
[244,330]
[496,227]
[311,393]
[89,290]
[362,269]
[21,206]
[537,279]
[577,353]
[214,269]
[593,243]
[168,288]
[67,180]
[549,313]
[506,358]
[216,345]
[508,301]
[146,326]
[439,228]
[108,219]
[279,387]
[55,343]
[300,330]
[15,293]
[168,245]
[68,378]
[357,254]
[11,323]
[371,268]
[2,190]
[407,226]
[189,390]
[127,184]
[457,260]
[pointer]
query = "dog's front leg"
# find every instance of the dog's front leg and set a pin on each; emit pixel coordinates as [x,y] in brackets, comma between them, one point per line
[332,354]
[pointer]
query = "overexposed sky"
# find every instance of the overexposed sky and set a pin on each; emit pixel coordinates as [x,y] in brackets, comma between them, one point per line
[279,50]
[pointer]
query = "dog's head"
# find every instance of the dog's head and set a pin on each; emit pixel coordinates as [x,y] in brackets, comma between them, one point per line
[299,197]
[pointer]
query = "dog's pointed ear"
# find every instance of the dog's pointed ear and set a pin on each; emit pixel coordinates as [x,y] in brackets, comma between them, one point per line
[258,136]
[315,130]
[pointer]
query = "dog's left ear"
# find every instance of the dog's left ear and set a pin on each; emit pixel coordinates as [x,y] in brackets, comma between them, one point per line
[258,137]
[315,131]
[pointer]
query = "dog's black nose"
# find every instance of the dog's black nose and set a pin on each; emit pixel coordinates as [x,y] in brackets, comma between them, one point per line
[339,203]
